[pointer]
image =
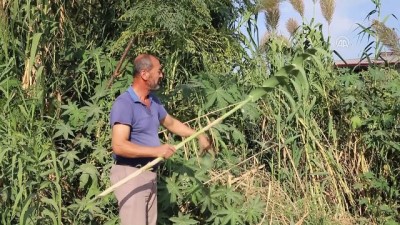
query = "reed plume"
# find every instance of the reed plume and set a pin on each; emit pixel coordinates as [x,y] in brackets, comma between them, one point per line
[272,18]
[291,26]
[387,36]
[273,37]
[264,5]
[298,5]
[327,8]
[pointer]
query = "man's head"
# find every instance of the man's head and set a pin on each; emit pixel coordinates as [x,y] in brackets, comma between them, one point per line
[149,70]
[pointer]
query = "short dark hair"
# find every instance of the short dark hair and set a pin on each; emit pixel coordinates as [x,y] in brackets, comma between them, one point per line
[142,62]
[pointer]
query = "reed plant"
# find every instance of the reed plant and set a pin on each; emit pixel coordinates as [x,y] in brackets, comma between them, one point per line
[327,9]
[320,149]
[387,36]
[292,26]
[298,5]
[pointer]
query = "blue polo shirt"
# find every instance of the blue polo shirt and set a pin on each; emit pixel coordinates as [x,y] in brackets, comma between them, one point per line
[143,121]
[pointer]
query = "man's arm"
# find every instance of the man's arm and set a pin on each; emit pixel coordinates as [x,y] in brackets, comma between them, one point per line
[179,128]
[123,147]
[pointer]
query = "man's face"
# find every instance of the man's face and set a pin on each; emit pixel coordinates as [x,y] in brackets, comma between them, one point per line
[155,75]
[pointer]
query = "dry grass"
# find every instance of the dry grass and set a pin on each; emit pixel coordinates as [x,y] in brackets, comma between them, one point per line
[30,71]
[292,26]
[387,36]
[3,4]
[281,208]
[327,8]
[256,182]
[298,5]
[265,38]
[264,5]
[27,78]
[272,17]
[269,36]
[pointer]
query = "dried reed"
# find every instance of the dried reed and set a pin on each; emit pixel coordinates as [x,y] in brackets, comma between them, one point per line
[327,8]
[272,18]
[264,5]
[387,36]
[292,26]
[298,5]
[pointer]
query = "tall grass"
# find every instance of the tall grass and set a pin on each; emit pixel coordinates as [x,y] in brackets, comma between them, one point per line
[319,161]
[320,150]
[387,36]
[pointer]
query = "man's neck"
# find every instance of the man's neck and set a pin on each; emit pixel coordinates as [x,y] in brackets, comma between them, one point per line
[141,91]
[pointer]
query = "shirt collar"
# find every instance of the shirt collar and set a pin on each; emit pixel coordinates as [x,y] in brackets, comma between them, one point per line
[134,96]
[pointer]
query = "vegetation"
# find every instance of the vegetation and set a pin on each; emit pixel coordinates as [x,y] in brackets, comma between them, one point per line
[321,149]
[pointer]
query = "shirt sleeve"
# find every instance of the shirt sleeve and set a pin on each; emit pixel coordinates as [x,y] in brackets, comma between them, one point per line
[121,112]
[162,112]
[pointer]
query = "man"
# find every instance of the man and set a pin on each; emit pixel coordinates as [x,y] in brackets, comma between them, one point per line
[135,118]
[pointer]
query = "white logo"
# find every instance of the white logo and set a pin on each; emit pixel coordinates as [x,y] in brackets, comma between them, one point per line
[342,42]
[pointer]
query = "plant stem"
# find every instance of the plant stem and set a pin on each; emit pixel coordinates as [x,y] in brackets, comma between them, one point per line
[117,71]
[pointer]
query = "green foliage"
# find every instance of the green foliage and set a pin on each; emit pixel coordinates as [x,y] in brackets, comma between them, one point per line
[370,100]
[56,136]
[326,127]
[196,203]
[323,145]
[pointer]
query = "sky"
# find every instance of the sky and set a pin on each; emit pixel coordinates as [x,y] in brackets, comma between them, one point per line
[343,29]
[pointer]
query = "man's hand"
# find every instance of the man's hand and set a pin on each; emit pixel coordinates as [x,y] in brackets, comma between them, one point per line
[166,151]
[204,142]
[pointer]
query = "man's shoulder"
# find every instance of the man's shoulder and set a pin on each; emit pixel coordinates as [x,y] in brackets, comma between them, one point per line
[123,99]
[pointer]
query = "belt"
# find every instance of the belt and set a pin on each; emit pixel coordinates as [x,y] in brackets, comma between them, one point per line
[137,165]
[134,164]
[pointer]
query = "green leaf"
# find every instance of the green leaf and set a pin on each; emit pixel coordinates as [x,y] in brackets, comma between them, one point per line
[51,202]
[385,208]
[92,110]
[25,211]
[63,130]
[256,94]
[231,214]
[83,142]
[75,115]
[87,171]
[356,122]
[173,188]
[183,219]
[34,45]
[254,209]
[392,222]
[83,180]
[50,214]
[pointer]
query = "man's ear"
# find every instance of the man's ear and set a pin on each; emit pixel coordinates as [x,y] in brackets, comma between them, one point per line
[144,74]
